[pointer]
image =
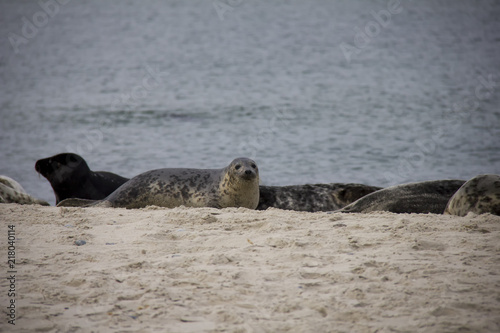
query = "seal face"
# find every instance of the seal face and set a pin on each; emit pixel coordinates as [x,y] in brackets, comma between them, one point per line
[422,197]
[240,184]
[236,185]
[70,177]
[479,195]
[12,192]
[312,197]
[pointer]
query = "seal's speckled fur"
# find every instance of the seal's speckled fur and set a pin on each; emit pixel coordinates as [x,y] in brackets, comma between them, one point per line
[312,197]
[479,195]
[12,192]
[423,197]
[236,185]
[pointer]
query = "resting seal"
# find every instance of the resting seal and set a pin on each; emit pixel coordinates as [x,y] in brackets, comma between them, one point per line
[423,197]
[70,177]
[479,195]
[236,185]
[12,192]
[312,197]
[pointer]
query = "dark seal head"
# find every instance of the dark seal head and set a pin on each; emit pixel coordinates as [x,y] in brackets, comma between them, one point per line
[70,177]
[236,185]
[479,195]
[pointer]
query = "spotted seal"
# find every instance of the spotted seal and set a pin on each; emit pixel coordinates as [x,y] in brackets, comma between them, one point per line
[312,197]
[422,197]
[236,185]
[479,195]
[12,192]
[70,177]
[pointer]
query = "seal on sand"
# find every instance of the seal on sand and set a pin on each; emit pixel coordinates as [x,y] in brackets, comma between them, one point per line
[70,177]
[236,185]
[312,197]
[422,197]
[479,195]
[12,192]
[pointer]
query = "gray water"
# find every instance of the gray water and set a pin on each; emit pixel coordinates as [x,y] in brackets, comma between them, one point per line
[134,86]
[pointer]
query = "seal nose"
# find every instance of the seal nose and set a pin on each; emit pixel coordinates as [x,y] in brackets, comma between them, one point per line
[248,172]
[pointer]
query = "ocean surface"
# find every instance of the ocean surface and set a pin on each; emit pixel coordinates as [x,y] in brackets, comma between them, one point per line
[373,92]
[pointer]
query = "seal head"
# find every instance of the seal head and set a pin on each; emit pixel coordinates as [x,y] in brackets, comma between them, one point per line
[70,177]
[479,195]
[240,184]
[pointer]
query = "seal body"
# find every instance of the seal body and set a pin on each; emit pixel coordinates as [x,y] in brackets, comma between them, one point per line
[70,177]
[236,185]
[312,197]
[422,197]
[12,192]
[479,195]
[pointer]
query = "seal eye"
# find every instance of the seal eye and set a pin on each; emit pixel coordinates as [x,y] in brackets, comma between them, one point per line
[237,167]
[254,166]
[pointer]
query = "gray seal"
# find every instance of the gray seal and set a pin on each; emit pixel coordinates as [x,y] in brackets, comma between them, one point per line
[479,195]
[70,177]
[312,197]
[236,185]
[304,198]
[12,192]
[422,197]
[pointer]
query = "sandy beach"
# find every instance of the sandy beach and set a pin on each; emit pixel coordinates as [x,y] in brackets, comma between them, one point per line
[238,270]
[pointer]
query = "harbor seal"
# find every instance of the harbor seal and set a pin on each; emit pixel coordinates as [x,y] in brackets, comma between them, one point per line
[12,192]
[479,195]
[422,197]
[236,185]
[312,197]
[70,177]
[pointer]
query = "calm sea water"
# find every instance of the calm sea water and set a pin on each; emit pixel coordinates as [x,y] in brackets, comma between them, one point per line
[375,92]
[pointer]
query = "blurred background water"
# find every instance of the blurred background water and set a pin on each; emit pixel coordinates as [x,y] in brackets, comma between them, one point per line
[375,92]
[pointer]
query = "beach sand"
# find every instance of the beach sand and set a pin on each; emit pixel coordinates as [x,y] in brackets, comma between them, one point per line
[238,270]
